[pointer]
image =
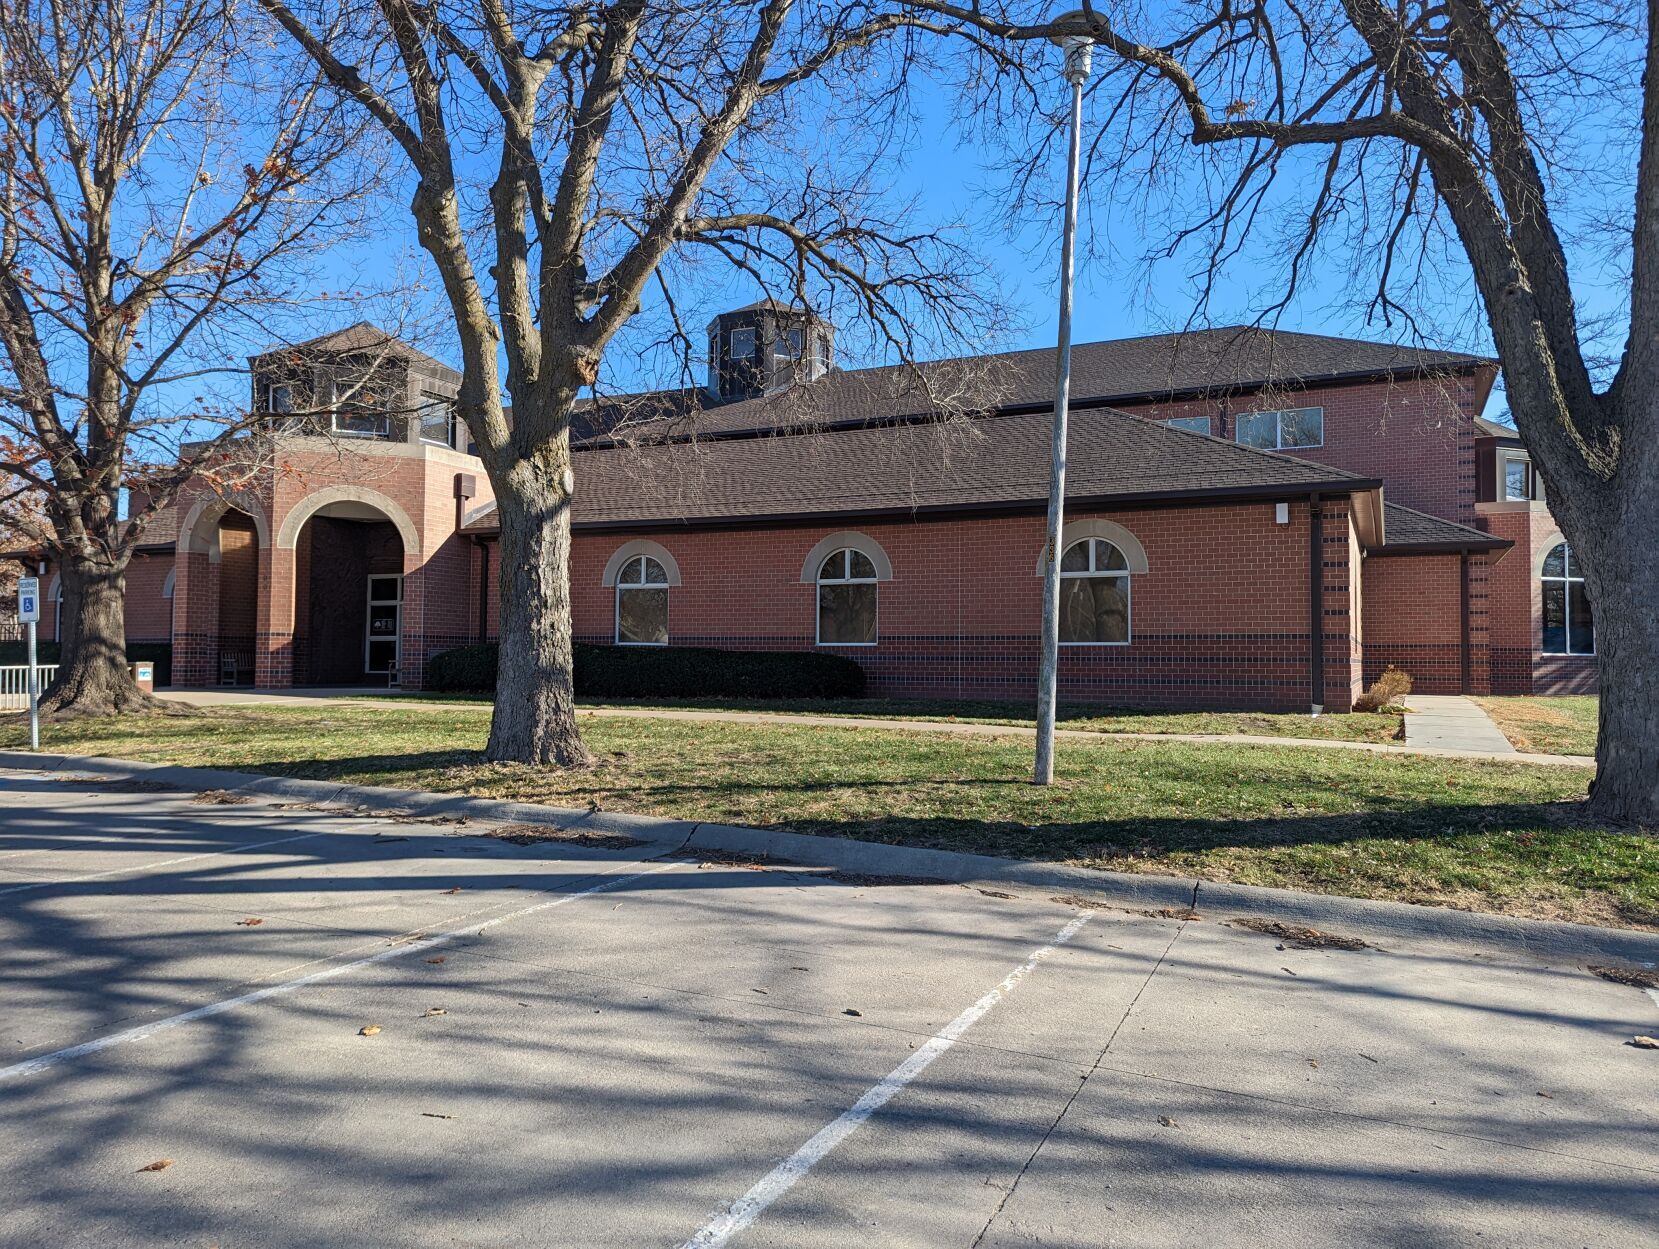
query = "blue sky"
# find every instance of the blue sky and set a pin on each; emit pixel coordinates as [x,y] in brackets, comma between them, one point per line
[956,183]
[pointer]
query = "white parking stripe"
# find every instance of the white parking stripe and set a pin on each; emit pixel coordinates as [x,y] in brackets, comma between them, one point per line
[150,867]
[42,1062]
[720,1229]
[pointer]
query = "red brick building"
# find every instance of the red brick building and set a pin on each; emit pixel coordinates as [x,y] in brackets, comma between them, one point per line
[1254,519]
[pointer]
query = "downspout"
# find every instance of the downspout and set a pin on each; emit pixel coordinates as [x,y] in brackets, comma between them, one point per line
[1464,661]
[1316,601]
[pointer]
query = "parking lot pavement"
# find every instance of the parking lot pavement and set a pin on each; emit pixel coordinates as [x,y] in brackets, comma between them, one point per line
[573,1046]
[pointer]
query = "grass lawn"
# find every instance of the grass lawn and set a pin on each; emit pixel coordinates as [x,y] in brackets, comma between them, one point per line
[1564,724]
[1357,727]
[1491,836]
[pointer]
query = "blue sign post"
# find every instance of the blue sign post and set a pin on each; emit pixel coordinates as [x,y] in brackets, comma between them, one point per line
[28,611]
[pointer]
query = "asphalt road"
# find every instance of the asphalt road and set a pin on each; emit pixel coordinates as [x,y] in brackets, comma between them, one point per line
[579,1047]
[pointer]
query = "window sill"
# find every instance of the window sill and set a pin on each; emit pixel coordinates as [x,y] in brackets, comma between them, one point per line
[1095,645]
[863,645]
[644,645]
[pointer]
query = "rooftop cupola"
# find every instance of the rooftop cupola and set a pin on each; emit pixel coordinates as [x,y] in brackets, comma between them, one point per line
[764,348]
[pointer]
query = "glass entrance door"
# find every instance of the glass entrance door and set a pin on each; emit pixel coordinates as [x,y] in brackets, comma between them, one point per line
[385,624]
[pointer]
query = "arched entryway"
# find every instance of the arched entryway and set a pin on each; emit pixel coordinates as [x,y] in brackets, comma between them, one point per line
[216,599]
[348,594]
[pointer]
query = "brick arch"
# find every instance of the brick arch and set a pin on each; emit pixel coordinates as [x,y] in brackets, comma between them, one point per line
[1133,552]
[1544,549]
[207,513]
[288,534]
[641,546]
[862,543]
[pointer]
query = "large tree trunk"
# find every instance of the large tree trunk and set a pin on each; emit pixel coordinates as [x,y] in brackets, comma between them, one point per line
[535,701]
[92,678]
[1625,585]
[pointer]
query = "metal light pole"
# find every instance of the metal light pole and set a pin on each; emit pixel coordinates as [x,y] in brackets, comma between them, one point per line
[1079,55]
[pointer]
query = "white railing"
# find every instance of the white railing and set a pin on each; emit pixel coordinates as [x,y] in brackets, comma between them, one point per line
[14,685]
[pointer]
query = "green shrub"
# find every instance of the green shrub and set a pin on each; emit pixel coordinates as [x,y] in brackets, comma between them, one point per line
[670,672]
[1385,691]
[47,652]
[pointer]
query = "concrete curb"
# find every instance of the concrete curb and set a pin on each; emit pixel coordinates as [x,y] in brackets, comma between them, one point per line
[1534,939]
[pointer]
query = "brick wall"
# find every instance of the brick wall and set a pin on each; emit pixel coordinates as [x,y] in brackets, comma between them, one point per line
[1220,619]
[149,614]
[1417,435]
[1413,620]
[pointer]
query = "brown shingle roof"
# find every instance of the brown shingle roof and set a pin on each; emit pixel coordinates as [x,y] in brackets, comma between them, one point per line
[1406,528]
[995,462]
[1157,366]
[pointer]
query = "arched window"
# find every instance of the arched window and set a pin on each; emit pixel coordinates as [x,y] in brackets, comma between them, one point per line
[1094,594]
[847,599]
[1569,628]
[642,602]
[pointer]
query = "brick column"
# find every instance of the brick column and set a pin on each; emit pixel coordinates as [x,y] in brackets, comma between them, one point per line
[412,643]
[273,663]
[1340,583]
[1480,624]
[195,620]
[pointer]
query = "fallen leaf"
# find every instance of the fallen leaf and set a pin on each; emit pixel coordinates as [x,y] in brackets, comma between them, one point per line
[1287,969]
[160,1164]
[1367,1057]
[435,1010]
[372,1029]
[757,990]
[457,889]
[1167,1121]
[251,922]
[427,1114]
[797,969]
[1313,1064]
[441,958]
[1644,1043]
[857,1014]
[1541,1093]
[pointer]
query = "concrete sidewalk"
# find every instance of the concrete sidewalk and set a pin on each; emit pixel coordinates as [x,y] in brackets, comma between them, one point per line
[1450,748]
[1453,722]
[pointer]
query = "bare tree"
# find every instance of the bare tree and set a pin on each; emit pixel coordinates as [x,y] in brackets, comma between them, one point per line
[1518,135]
[619,140]
[161,178]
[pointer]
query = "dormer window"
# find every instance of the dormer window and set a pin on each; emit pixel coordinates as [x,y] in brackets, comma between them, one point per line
[437,420]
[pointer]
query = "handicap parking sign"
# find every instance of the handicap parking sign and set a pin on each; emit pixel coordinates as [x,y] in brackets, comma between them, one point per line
[28,599]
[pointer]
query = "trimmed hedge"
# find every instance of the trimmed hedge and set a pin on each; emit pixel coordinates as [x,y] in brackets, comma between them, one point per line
[158,653]
[669,672]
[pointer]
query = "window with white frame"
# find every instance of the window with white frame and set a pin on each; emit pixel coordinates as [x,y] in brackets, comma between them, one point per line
[642,603]
[1569,626]
[1283,429]
[847,599]
[277,398]
[1094,594]
[1194,424]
